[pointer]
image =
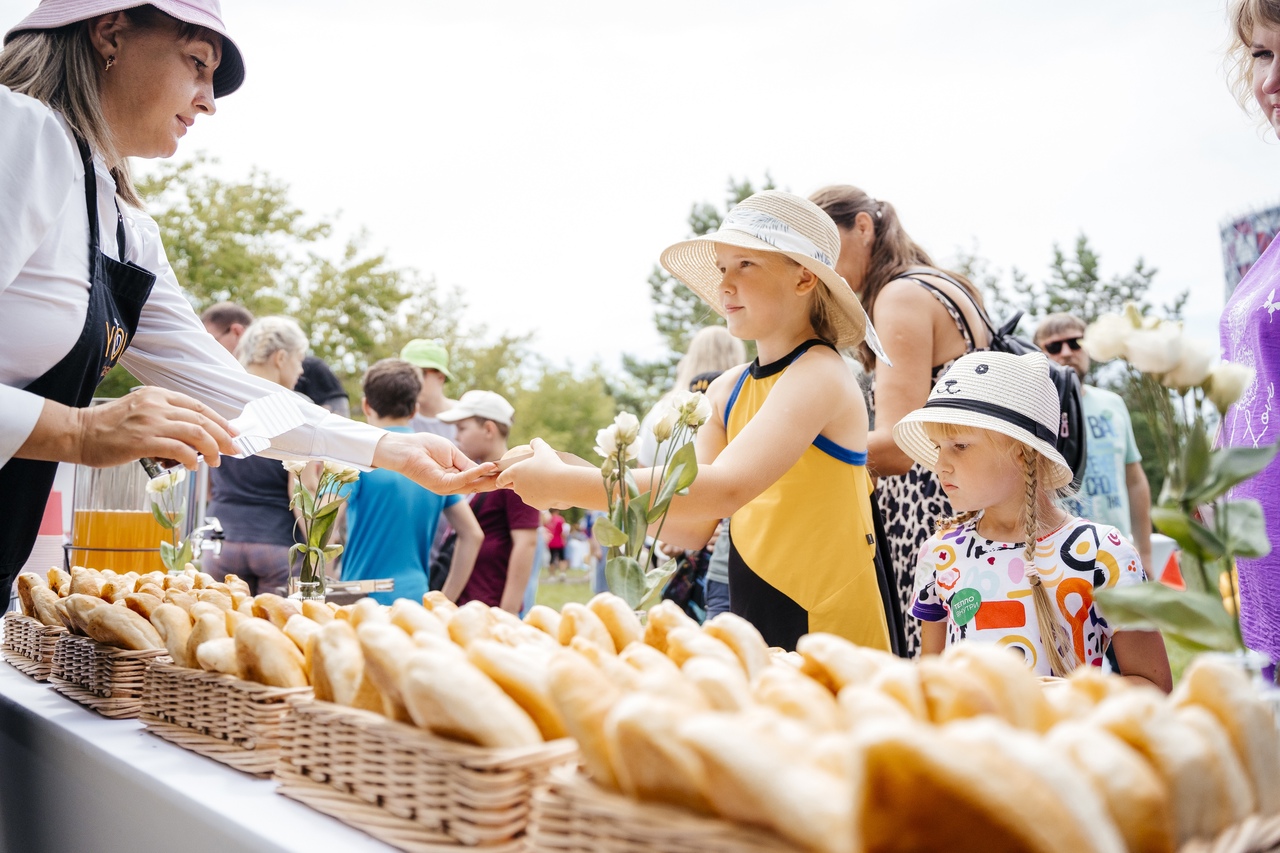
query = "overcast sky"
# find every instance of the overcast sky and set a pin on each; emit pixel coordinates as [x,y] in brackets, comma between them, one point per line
[541,155]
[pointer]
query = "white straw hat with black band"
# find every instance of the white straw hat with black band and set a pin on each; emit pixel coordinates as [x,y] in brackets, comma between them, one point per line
[1005,393]
[776,221]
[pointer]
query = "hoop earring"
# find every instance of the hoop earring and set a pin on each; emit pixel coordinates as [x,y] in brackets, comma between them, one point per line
[111,60]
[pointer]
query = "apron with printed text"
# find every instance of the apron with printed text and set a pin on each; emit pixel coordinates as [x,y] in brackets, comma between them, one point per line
[117,292]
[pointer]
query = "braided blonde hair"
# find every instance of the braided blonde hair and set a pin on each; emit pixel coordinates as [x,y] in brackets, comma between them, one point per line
[1055,639]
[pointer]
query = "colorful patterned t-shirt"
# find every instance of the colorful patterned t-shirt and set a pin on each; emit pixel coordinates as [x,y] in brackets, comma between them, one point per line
[979,587]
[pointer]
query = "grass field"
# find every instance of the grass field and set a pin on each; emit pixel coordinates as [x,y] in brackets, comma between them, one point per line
[576,587]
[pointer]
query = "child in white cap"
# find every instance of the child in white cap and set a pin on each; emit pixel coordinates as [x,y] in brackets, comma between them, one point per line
[1014,568]
[784,451]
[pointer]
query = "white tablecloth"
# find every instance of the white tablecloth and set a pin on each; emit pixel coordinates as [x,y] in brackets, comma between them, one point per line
[74,782]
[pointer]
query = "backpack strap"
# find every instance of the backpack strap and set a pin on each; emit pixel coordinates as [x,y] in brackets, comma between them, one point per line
[912,274]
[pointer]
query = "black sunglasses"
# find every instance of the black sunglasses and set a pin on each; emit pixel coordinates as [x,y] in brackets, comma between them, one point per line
[1055,347]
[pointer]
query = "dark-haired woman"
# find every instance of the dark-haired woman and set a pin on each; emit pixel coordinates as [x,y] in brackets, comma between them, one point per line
[84,281]
[925,322]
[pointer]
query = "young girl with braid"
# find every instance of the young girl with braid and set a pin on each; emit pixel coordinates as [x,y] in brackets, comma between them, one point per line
[1014,568]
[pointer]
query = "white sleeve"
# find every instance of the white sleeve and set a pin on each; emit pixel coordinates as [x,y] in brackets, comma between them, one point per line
[19,411]
[171,349]
[37,170]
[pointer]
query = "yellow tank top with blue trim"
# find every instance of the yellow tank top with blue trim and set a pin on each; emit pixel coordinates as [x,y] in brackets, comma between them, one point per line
[802,553]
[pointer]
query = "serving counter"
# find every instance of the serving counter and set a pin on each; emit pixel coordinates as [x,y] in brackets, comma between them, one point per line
[74,782]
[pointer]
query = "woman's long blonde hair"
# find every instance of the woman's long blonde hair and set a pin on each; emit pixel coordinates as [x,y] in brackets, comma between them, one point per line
[61,69]
[1243,16]
[1036,470]
[269,335]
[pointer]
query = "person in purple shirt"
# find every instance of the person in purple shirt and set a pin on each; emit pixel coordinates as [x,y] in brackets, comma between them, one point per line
[1251,335]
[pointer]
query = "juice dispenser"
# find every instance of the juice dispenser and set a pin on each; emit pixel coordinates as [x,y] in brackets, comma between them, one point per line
[111,522]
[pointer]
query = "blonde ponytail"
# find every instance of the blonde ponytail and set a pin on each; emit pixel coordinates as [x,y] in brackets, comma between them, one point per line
[1054,638]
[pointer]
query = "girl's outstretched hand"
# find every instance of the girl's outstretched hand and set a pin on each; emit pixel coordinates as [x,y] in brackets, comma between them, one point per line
[535,479]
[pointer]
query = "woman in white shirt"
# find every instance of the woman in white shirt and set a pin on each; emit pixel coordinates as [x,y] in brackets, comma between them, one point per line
[84,281]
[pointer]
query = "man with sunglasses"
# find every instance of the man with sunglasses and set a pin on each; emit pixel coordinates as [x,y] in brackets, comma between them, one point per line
[1115,490]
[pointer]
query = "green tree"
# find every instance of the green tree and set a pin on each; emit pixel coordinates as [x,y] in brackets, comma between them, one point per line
[678,313]
[242,242]
[563,409]
[1075,284]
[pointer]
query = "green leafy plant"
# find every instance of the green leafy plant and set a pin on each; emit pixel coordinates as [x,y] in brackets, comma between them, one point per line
[632,512]
[1176,384]
[319,512]
[169,508]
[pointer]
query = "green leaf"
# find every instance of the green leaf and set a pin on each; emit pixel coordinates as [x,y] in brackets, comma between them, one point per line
[1231,466]
[332,551]
[318,535]
[296,549]
[308,505]
[1246,530]
[632,489]
[659,506]
[160,517]
[655,582]
[626,580]
[608,534]
[1193,571]
[328,509]
[167,555]
[184,555]
[687,459]
[1189,533]
[1195,617]
[1197,457]
[637,527]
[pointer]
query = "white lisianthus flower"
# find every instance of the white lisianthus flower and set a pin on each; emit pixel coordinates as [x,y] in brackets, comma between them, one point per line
[347,474]
[1155,350]
[333,468]
[607,441]
[666,423]
[1193,366]
[628,428]
[1226,383]
[165,482]
[697,411]
[294,466]
[1105,337]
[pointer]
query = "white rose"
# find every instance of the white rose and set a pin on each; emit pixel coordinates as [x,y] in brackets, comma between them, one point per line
[294,466]
[1193,367]
[665,425]
[1105,337]
[1155,350]
[628,428]
[607,441]
[1227,382]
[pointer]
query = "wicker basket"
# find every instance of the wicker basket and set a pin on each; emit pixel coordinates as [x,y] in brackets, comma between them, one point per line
[104,678]
[407,787]
[29,643]
[573,815]
[222,717]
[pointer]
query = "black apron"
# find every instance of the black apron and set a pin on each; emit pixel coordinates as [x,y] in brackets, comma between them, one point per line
[117,292]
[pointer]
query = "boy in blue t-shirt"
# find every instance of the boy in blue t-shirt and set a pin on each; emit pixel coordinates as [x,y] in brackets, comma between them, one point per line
[391,521]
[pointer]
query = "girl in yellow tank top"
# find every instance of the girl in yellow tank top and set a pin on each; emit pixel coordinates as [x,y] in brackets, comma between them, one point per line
[785,453]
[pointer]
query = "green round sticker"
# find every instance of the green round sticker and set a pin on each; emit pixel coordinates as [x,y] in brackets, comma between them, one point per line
[964,605]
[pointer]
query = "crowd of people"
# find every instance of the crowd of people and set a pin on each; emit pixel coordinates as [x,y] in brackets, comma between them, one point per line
[933,510]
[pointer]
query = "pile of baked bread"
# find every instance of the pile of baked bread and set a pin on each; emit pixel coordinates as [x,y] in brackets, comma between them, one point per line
[835,748]
[841,749]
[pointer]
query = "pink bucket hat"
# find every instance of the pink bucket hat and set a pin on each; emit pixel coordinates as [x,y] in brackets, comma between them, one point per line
[51,14]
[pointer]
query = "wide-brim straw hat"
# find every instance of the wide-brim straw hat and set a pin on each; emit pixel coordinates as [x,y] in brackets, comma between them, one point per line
[776,221]
[227,77]
[1001,392]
